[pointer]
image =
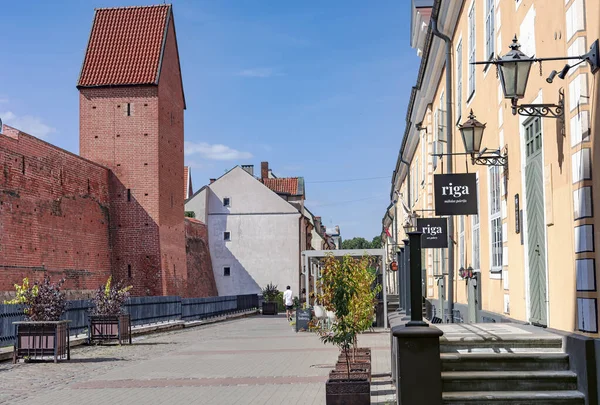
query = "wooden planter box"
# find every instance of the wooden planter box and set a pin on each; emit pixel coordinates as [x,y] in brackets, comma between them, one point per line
[38,340]
[109,327]
[341,390]
[269,308]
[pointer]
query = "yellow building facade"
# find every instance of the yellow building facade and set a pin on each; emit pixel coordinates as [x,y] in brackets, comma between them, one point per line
[534,242]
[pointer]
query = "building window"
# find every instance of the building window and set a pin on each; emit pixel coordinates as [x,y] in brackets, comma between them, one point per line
[489,30]
[495,219]
[475,235]
[226,202]
[461,241]
[459,81]
[471,51]
[423,157]
[227,271]
[226,236]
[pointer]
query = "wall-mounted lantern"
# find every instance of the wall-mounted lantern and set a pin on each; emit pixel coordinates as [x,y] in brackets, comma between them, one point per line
[472,135]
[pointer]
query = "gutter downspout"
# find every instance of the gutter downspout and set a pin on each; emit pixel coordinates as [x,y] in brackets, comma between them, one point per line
[406,287]
[448,41]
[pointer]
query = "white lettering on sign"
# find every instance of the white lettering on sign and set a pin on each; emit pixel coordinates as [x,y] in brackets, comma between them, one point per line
[455,191]
[432,230]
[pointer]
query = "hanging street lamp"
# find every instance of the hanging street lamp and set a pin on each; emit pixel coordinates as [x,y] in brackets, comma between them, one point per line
[472,135]
[513,71]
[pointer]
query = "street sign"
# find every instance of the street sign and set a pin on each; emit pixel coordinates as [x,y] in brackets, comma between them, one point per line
[455,194]
[435,232]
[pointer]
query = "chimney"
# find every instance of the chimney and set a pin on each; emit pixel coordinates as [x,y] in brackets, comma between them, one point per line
[264,170]
[212,181]
[249,169]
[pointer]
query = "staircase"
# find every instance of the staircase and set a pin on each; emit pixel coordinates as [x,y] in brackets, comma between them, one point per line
[530,372]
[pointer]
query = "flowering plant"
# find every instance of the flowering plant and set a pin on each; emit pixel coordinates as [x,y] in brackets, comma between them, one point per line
[109,298]
[43,301]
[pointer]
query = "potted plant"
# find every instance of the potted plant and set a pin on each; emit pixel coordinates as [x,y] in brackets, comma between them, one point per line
[108,320]
[349,383]
[42,334]
[270,293]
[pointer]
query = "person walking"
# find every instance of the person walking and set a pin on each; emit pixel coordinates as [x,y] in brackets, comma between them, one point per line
[288,301]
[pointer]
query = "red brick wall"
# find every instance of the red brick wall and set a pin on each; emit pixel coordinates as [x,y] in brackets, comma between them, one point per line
[53,215]
[171,181]
[200,277]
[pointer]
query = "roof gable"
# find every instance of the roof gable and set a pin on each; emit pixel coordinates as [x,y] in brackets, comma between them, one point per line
[126,46]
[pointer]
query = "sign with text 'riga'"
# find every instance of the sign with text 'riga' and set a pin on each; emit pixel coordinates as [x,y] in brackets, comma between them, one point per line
[455,194]
[435,232]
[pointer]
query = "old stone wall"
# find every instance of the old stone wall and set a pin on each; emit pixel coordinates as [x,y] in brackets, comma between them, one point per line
[200,277]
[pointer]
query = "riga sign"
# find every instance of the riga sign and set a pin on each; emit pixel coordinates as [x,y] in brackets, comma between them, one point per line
[435,232]
[455,194]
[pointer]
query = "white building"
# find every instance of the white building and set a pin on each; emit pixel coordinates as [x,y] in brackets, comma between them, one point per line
[255,236]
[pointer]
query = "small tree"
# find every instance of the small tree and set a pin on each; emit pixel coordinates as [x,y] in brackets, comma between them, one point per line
[43,301]
[339,287]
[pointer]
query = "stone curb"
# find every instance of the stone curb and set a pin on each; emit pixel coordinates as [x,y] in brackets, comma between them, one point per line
[6,353]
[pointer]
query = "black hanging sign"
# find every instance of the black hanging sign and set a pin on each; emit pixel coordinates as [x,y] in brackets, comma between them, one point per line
[455,194]
[435,232]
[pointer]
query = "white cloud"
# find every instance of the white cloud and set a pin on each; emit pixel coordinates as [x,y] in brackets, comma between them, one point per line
[215,151]
[262,73]
[3,100]
[27,123]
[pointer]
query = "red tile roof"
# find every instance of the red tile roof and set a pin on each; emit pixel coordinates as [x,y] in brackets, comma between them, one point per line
[186,182]
[125,46]
[287,185]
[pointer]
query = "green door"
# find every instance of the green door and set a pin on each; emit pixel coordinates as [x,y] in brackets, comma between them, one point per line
[536,239]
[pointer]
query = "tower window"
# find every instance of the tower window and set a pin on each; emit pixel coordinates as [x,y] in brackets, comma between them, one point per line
[128,194]
[129,270]
[129,109]
[227,271]
[171,200]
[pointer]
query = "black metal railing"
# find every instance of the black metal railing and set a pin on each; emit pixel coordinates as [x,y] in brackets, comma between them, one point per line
[143,311]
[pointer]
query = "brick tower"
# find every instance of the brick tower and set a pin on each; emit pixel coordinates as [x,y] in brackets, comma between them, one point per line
[131,120]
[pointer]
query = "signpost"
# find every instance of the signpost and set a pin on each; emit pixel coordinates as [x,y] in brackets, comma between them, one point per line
[455,194]
[435,232]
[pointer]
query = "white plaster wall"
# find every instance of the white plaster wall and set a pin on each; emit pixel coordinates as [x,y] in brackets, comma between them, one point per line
[198,205]
[264,229]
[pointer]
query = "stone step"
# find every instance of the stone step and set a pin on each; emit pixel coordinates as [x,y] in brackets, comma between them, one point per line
[453,381]
[473,345]
[504,361]
[514,398]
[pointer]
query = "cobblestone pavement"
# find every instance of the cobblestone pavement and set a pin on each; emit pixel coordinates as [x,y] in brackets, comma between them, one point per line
[256,360]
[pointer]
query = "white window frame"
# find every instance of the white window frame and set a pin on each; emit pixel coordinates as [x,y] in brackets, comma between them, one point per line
[495,210]
[423,157]
[472,51]
[459,82]
[490,30]
[435,140]
[417,182]
[461,242]
[476,236]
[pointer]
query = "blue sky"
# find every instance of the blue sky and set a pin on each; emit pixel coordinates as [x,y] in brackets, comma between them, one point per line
[318,89]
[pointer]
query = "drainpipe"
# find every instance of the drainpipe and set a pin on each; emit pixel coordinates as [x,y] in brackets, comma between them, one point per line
[405,278]
[448,41]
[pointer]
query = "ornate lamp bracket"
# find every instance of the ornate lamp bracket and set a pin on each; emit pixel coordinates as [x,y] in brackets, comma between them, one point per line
[541,110]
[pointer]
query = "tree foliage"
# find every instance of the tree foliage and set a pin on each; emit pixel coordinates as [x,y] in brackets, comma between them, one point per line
[362,243]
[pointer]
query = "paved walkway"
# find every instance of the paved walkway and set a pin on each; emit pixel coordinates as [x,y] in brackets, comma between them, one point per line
[256,360]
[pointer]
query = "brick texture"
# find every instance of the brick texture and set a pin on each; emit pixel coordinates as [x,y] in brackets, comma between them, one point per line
[54,215]
[201,280]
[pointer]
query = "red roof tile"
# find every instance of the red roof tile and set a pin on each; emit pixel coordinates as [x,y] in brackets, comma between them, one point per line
[125,46]
[287,185]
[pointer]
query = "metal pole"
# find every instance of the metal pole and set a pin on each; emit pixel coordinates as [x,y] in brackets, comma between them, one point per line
[398,277]
[405,276]
[306,268]
[384,287]
[416,289]
[448,41]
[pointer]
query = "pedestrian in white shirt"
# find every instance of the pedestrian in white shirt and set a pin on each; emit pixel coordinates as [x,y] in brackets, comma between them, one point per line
[288,301]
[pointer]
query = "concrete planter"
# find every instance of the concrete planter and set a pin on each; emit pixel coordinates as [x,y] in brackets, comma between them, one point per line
[109,327]
[341,390]
[38,340]
[269,308]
